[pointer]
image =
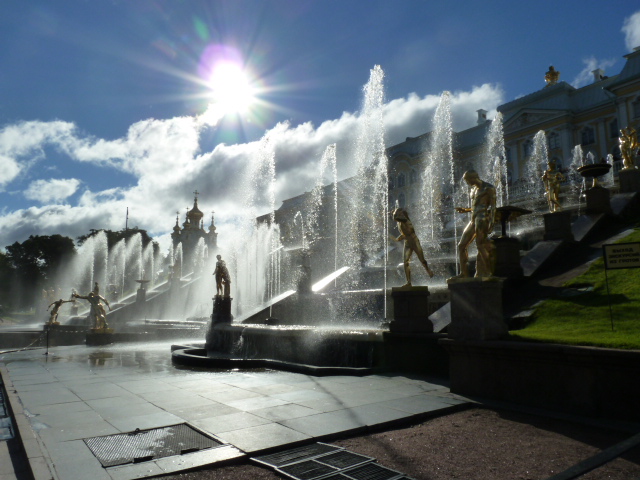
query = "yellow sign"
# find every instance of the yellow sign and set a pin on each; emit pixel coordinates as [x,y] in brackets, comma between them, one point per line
[621,255]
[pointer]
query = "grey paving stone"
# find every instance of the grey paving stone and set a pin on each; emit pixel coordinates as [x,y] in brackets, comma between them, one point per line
[227,423]
[230,394]
[272,388]
[95,391]
[191,402]
[325,423]
[258,438]
[376,414]
[256,403]
[135,409]
[206,411]
[85,430]
[120,401]
[138,386]
[299,396]
[57,395]
[130,423]
[285,412]
[74,460]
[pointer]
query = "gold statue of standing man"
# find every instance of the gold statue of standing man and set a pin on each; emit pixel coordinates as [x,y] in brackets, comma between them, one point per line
[483,213]
[552,179]
[628,147]
[53,318]
[97,312]
[411,243]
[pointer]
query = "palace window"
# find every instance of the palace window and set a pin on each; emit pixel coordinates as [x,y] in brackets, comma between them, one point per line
[613,129]
[635,107]
[392,184]
[587,136]
[413,177]
[527,148]
[554,141]
[401,180]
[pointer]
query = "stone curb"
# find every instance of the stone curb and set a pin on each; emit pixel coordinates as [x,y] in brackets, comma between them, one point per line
[38,460]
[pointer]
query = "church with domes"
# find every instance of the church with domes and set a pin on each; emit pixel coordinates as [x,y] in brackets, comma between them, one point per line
[193,231]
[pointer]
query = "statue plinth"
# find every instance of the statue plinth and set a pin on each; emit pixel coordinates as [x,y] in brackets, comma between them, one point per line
[410,310]
[629,180]
[508,248]
[476,309]
[557,226]
[598,200]
[221,310]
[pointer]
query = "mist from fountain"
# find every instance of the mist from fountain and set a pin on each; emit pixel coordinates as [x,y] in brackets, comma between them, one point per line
[367,223]
[435,219]
[494,161]
[255,260]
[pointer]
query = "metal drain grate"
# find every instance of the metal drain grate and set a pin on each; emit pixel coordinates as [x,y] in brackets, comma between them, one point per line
[372,471]
[296,454]
[343,459]
[307,470]
[145,445]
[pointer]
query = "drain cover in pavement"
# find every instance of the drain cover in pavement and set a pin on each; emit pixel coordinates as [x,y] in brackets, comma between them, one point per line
[344,459]
[145,445]
[296,454]
[372,471]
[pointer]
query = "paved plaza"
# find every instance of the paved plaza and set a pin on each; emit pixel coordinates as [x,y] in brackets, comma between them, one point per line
[80,392]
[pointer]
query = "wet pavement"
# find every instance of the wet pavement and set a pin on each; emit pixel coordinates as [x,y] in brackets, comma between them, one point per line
[76,393]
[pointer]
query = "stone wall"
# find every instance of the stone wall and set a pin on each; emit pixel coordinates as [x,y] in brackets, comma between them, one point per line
[595,382]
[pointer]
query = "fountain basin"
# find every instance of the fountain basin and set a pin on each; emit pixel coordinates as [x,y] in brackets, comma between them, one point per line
[302,348]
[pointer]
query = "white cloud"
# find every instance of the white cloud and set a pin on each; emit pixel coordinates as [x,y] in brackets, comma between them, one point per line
[631,30]
[52,190]
[585,77]
[165,159]
[21,145]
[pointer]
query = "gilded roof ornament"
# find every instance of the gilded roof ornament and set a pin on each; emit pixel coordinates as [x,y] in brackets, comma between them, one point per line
[552,76]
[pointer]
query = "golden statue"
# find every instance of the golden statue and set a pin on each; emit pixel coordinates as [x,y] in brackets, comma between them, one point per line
[552,76]
[483,213]
[97,312]
[628,147]
[552,179]
[411,243]
[223,279]
[53,318]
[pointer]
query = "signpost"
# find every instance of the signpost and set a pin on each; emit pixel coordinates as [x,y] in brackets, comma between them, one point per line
[617,256]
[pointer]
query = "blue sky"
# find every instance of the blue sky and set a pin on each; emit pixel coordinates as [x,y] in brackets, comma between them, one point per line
[101,101]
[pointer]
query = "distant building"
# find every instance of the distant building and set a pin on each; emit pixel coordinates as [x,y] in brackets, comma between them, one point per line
[193,233]
[590,116]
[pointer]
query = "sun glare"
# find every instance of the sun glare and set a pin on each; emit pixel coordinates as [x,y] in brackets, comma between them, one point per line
[231,89]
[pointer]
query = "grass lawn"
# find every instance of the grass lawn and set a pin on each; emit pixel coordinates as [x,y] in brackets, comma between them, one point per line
[581,316]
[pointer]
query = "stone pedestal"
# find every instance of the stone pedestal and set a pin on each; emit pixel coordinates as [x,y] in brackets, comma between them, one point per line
[476,309]
[141,295]
[216,338]
[557,226]
[221,310]
[598,200]
[410,310]
[507,257]
[629,180]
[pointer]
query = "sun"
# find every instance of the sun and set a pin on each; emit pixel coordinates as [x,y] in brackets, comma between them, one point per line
[231,89]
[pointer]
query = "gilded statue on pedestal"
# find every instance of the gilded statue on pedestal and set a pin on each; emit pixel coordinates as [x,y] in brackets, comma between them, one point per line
[97,313]
[552,178]
[483,213]
[223,279]
[53,317]
[628,147]
[552,76]
[411,243]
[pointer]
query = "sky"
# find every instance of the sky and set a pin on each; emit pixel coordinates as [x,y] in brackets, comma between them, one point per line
[136,104]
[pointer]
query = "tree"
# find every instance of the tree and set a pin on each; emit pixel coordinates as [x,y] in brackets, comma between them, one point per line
[36,262]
